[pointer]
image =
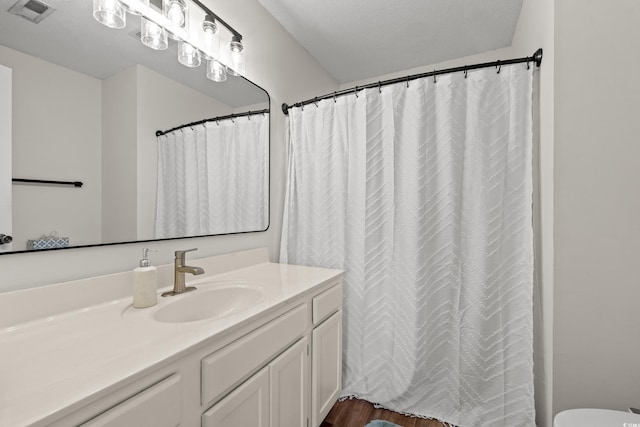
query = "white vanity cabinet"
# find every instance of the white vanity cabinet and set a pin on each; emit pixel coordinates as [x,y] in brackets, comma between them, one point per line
[248,405]
[275,365]
[327,352]
[298,387]
[158,406]
[289,386]
[278,392]
[275,396]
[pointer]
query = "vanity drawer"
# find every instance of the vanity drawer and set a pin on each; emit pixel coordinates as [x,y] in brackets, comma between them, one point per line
[327,303]
[227,367]
[159,405]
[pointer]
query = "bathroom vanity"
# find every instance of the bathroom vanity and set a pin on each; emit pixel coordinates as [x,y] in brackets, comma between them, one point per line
[257,344]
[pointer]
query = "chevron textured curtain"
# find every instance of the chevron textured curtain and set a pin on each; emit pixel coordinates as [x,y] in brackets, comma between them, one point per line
[213,178]
[423,194]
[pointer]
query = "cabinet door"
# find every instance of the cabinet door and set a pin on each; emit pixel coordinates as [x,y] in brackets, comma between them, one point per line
[248,405]
[159,405]
[289,385]
[326,371]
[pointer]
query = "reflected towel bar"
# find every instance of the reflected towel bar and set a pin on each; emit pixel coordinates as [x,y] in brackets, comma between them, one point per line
[47,182]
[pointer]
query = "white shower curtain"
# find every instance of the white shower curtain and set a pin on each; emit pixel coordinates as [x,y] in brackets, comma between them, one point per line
[213,178]
[423,194]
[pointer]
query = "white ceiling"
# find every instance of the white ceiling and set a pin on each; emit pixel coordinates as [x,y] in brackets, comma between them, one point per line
[359,39]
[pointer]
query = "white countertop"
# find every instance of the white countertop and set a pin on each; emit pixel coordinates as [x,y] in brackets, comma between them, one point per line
[47,365]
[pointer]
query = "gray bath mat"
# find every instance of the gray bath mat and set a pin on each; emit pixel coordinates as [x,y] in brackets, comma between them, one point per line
[380,423]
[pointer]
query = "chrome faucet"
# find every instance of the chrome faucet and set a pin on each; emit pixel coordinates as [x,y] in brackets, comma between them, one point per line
[179,270]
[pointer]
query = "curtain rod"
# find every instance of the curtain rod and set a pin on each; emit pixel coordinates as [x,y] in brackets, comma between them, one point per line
[214,119]
[536,58]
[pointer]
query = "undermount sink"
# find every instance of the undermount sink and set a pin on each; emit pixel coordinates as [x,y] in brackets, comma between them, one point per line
[209,304]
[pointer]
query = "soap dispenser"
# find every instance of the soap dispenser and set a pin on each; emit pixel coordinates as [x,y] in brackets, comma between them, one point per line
[145,283]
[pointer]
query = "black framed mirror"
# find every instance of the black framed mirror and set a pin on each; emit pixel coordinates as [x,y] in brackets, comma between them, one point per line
[93,105]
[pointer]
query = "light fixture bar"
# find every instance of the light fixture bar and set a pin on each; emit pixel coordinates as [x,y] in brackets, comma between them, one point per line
[173,22]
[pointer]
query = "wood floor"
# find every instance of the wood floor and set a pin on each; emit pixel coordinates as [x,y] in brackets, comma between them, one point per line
[357,413]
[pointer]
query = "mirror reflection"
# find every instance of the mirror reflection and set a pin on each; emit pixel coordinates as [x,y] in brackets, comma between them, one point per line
[86,103]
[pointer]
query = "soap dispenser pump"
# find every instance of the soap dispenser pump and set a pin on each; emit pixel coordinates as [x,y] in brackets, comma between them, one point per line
[145,282]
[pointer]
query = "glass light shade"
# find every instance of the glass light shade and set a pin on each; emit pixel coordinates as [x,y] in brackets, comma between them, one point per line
[110,13]
[209,25]
[188,55]
[134,6]
[153,35]
[236,67]
[216,71]
[211,48]
[175,11]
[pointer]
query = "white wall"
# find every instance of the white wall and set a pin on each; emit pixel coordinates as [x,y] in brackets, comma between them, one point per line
[162,104]
[536,30]
[597,205]
[48,123]
[119,156]
[276,63]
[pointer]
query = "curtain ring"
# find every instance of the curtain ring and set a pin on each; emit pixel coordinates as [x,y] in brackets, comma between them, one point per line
[528,65]
[355,91]
[434,77]
[302,106]
[379,87]
[465,71]
[315,101]
[233,121]
[407,82]
[499,66]
[334,97]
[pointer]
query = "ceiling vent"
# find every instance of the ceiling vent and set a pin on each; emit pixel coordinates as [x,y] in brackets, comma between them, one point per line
[31,10]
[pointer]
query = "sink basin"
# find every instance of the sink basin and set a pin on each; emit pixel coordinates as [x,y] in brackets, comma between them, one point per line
[209,304]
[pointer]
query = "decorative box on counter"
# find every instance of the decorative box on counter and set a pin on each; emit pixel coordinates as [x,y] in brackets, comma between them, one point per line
[48,242]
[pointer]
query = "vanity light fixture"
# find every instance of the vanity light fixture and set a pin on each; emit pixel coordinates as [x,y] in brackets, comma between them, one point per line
[175,11]
[216,71]
[153,35]
[173,21]
[188,55]
[110,13]
[236,68]
[211,38]
[134,10]
[209,25]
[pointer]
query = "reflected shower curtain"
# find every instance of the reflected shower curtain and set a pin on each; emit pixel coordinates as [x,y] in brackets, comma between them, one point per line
[213,178]
[423,195]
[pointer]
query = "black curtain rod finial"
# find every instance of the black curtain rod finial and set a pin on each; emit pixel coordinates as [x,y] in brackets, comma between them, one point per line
[537,57]
[285,108]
